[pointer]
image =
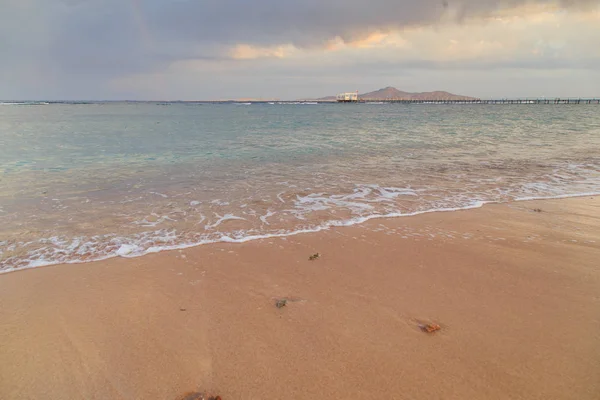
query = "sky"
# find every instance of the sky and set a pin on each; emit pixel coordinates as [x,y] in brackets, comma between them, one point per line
[291,49]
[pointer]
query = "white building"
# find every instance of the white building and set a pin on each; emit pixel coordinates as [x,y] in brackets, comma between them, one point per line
[347,97]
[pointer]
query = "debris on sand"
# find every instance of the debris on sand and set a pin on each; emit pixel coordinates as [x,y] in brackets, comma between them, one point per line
[281,303]
[537,210]
[430,328]
[182,309]
[314,257]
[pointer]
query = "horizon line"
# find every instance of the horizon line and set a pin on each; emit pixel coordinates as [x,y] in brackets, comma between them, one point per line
[248,100]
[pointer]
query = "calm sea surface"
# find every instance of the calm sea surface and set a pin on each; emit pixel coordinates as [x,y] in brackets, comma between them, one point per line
[91,181]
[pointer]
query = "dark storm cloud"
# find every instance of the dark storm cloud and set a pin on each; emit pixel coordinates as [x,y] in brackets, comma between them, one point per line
[304,23]
[310,22]
[115,35]
[103,39]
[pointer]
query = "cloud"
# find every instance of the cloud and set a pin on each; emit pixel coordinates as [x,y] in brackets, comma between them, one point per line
[80,46]
[249,52]
[313,22]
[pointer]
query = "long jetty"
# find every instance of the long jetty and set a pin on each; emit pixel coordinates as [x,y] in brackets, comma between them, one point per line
[595,100]
[489,101]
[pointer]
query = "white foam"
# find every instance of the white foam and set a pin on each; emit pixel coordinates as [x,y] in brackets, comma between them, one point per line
[159,194]
[127,249]
[159,220]
[202,219]
[365,202]
[263,218]
[360,201]
[222,219]
[147,243]
[280,198]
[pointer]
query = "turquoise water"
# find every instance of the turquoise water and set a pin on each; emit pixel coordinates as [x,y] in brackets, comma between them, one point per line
[81,182]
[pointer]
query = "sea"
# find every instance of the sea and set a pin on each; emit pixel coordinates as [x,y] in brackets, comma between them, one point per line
[88,181]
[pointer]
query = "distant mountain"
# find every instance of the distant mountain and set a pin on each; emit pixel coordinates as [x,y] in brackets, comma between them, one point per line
[391,93]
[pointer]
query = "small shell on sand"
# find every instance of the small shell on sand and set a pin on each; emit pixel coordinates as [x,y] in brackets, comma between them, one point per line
[281,303]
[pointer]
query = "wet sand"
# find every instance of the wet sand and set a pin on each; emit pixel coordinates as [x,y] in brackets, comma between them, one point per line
[515,292]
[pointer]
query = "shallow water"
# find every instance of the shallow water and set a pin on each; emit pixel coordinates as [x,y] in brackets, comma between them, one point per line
[81,182]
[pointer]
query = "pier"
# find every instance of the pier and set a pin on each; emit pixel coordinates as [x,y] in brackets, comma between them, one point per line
[490,101]
[556,101]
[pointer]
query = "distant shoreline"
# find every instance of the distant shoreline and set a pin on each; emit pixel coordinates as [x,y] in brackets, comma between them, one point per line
[570,100]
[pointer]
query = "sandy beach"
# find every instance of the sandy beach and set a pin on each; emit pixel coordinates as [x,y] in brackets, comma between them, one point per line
[515,291]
